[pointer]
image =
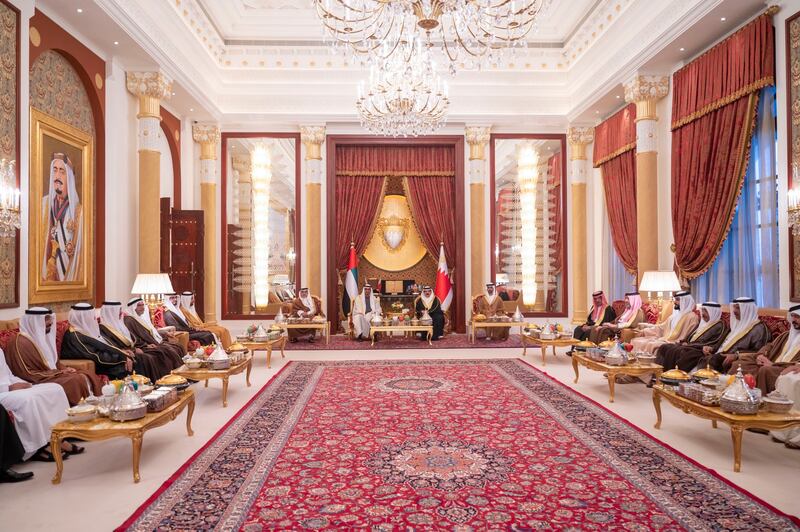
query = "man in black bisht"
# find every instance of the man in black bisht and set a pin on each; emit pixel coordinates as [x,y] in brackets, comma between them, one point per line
[83,340]
[173,316]
[428,301]
[11,450]
[600,313]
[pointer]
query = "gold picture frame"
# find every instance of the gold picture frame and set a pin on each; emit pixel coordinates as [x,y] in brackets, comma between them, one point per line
[61,235]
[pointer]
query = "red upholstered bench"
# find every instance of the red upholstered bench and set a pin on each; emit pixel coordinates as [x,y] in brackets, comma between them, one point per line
[61,328]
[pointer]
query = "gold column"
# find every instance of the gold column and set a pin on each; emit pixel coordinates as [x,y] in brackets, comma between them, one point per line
[579,138]
[477,137]
[313,137]
[645,91]
[150,88]
[207,136]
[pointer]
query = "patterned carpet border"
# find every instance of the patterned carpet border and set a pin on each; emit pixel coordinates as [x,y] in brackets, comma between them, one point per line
[652,473]
[341,342]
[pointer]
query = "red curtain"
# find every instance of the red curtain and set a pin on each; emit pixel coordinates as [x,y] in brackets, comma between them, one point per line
[383,161]
[615,155]
[619,183]
[432,202]
[709,160]
[357,202]
[741,64]
[714,112]
[616,135]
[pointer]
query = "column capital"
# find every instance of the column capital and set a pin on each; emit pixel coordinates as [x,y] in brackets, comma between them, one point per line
[313,137]
[241,164]
[579,137]
[207,135]
[477,137]
[645,91]
[150,88]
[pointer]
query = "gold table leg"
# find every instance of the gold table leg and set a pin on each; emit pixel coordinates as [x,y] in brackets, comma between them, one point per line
[612,379]
[430,335]
[55,450]
[657,406]
[736,436]
[283,344]
[327,333]
[225,391]
[136,442]
[372,335]
[269,356]
[544,354]
[575,369]
[206,386]
[713,423]
[189,414]
[249,367]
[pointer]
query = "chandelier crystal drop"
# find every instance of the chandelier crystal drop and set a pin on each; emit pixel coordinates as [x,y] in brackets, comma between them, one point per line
[9,200]
[472,32]
[528,178]
[403,99]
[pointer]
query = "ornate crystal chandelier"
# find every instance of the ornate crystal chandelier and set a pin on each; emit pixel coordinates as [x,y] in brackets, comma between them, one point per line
[403,99]
[469,31]
[9,200]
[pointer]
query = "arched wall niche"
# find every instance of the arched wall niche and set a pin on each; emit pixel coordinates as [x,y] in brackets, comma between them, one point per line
[47,36]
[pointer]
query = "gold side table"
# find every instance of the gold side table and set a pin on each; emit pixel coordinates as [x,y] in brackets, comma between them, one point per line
[324,328]
[635,369]
[267,346]
[737,422]
[103,428]
[206,374]
[544,344]
[473,325]
[374,329]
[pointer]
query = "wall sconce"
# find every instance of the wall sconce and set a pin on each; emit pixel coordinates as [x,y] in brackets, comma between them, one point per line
[9,200]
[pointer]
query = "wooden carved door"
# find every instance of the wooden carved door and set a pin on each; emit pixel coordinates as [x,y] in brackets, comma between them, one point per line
[184,250]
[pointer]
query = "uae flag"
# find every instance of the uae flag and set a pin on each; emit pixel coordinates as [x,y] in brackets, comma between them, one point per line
[444,287]
[350,281]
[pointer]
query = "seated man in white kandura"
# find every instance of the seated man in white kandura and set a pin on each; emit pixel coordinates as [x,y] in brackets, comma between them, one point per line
[365,307]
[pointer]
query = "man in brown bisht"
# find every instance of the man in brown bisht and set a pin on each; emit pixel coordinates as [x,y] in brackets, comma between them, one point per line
[189,312]
[305,306]
[768,363]
[145,334]
[710,332]
[490,305]
[31,355]
[148,362]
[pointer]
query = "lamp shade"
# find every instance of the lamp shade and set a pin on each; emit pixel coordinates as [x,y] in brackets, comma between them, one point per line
[152,283]
[660,281]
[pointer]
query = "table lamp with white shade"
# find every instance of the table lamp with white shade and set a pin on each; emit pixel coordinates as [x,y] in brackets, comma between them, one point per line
[661,282]
[151,287]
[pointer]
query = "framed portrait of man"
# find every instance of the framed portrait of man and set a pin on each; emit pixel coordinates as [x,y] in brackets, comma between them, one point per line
[60,242]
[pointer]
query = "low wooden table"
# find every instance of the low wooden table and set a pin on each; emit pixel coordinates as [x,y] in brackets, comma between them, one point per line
[267,346]
[206,374]
[102,428]
[544,344]
[483,324]
[324,327]
[634,369]
[374,329]
[737,422]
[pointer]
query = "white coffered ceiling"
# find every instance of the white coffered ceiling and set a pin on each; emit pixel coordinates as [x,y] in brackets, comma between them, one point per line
[250,63]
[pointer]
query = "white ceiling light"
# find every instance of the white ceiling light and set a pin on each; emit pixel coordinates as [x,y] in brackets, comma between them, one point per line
[80,10]
[723,19]
[473,32]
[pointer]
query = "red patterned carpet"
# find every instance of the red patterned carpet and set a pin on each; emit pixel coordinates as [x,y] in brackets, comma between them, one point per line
[444,444]
[451,341]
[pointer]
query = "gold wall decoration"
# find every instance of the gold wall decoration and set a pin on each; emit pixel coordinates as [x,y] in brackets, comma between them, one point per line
[403,247]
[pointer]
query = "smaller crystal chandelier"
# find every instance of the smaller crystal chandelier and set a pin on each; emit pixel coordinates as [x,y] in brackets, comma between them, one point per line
[403,99]
[9,200]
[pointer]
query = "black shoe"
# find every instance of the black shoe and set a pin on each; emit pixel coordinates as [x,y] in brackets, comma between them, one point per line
[359,338]
[293,340]
[311,340]
[9,475]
